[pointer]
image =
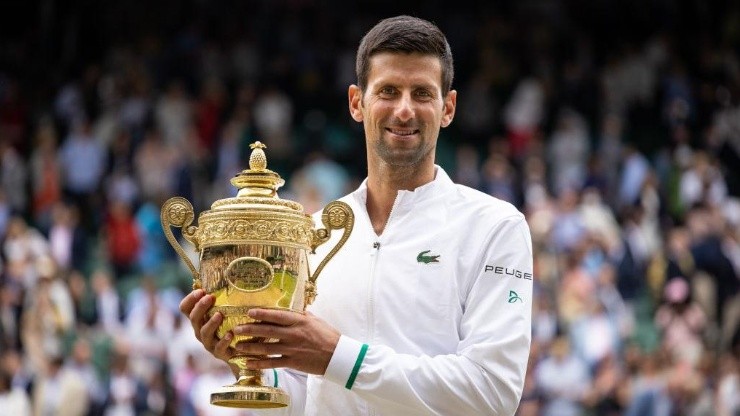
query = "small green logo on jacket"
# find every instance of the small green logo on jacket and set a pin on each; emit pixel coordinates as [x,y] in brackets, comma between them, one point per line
[514,297]
[423,258]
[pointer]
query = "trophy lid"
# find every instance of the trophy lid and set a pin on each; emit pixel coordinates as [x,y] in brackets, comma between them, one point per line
[257,186]
[257,180]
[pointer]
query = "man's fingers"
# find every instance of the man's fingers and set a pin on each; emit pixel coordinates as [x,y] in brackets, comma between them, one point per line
[264,348]
[221,349]
[208,330]
[198,313]
[189,301]
[270,362]
[276,316]
[265,330]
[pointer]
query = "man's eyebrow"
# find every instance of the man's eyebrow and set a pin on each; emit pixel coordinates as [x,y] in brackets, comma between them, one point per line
[431,87]
[416,86]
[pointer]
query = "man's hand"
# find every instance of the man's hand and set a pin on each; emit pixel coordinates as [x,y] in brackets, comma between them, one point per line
[194,306]
[306,343]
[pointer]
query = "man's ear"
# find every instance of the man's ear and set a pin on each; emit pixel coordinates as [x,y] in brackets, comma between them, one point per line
[448,111]
[355,102]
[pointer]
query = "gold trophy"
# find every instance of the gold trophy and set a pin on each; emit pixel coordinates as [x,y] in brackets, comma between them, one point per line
[253,251]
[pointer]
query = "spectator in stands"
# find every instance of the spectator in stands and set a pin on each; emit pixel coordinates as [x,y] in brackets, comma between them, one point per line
[46,174]
[13,401]
[682,322]
[122,236]
[83,185]
[59,391]
[563,380]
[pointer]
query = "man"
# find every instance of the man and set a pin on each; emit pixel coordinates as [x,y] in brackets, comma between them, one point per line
[427,307]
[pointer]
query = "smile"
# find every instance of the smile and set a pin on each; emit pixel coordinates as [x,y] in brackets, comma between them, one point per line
[402,132]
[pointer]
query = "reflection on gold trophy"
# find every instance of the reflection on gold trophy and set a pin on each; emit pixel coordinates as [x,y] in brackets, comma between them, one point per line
[253,252]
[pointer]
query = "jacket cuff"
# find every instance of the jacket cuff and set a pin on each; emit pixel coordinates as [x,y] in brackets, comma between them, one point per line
[346,361]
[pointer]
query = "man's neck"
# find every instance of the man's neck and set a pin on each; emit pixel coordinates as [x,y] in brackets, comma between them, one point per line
[383,184]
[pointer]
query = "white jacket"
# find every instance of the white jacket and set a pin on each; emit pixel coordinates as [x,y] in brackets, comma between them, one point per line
[435,313]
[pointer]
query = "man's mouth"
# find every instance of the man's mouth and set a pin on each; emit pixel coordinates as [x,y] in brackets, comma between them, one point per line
[402,132]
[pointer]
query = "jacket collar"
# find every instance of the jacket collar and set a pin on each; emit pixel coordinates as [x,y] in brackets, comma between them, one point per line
[441,185]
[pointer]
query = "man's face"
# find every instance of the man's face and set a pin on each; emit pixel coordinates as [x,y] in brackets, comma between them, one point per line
[402,108]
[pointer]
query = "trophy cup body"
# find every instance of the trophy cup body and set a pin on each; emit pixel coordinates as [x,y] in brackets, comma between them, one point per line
[253,253]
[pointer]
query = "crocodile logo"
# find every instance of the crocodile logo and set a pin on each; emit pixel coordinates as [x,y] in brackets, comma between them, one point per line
[423,258]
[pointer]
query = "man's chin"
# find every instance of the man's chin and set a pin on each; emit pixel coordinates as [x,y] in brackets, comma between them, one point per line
[402,158]
[401,154]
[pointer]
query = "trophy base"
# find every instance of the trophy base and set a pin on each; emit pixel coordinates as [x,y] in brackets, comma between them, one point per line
[250,397]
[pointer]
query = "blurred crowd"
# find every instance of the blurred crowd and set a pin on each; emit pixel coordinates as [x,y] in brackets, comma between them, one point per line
[614,126]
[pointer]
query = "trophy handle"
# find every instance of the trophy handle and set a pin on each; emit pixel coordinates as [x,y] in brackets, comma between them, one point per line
[336,215]
[178,212]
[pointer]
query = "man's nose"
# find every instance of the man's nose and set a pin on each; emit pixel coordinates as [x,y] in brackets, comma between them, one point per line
[404,108]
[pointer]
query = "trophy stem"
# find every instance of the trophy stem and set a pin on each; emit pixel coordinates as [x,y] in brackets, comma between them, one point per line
[248,391]
[246,377]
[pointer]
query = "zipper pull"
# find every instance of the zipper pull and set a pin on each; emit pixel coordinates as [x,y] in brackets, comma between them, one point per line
[376,245]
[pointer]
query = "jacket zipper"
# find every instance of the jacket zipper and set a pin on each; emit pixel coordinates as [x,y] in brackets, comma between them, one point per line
[371,285]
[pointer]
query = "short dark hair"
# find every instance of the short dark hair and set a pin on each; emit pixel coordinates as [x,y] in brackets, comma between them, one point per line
[405,34]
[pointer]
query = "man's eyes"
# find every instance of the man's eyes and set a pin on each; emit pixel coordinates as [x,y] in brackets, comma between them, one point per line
[420,93]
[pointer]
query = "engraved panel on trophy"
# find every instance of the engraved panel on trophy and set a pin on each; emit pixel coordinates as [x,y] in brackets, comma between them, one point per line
[253,275]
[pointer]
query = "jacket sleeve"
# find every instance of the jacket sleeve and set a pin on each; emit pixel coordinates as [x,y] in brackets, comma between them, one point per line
[485,375]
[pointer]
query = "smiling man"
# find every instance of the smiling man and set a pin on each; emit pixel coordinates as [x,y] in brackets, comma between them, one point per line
[409,319]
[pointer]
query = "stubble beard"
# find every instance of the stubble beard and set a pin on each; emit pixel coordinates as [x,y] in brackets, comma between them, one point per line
[401,157]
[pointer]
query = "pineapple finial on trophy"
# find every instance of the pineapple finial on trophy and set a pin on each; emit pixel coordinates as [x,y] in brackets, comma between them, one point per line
[257,181]
[257,160]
